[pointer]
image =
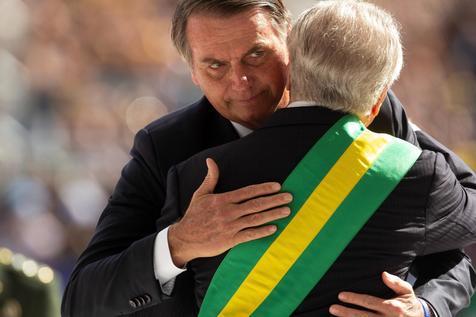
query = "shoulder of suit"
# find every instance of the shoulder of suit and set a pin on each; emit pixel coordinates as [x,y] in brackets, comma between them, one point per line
[426,164]
[431,157]
[190,114]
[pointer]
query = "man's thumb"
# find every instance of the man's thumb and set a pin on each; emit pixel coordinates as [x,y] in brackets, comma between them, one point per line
[210,180]
[399,286]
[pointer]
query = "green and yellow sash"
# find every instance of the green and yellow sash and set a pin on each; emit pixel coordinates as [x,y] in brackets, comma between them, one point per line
[337,187]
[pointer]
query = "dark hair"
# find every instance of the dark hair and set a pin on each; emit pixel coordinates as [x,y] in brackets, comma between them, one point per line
[278,13]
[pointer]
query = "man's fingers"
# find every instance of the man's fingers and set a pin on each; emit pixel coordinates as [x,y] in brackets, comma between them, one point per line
[262,203]
[254,234]
[399,286]
[210,180]
[261,218]
[250,192]
[403,305]
[362,300]
[341,311]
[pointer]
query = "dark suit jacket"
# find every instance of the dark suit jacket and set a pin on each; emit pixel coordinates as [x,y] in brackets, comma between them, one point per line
[428,212]
[116,267]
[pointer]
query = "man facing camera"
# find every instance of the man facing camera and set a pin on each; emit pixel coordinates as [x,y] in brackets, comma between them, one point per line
[364,203]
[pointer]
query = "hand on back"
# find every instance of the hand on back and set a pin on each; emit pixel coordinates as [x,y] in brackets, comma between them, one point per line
[214,223]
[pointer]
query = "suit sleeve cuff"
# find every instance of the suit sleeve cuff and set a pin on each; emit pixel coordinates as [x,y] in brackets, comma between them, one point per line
[164,268]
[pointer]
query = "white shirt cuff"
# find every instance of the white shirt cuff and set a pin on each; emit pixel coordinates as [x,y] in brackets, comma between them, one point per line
[164,268]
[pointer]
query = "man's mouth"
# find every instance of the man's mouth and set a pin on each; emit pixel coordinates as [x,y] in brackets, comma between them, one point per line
[251,99]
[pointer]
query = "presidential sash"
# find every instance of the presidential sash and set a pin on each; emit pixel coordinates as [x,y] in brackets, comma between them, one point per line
[337,187]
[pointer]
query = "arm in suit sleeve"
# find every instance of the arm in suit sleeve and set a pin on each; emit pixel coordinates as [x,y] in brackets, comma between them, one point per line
[450,211]
[446,280]
[181,301]
[115,272]
[451,266]
[448,275]
[451,223]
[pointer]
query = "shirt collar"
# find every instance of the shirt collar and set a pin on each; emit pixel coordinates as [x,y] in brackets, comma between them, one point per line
[301,103]
[241,130]
[244,131]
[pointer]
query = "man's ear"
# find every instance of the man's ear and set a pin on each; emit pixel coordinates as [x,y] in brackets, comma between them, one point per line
[367,120]
[194,77]
[287,90]
[376,108]
[288,81]
[374,112]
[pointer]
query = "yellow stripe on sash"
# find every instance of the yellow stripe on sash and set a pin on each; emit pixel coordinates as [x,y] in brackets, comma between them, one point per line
[306,224]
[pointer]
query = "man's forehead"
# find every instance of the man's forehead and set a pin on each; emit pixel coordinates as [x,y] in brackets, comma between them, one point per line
[252,14]
[211,34]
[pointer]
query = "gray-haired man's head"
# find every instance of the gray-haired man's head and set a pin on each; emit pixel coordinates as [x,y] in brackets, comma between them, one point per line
[343,55]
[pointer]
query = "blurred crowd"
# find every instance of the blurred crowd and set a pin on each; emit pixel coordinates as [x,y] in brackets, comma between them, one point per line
[79,78]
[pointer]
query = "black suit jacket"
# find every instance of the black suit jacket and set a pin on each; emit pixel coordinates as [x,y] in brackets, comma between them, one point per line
[428,212]
[116,267]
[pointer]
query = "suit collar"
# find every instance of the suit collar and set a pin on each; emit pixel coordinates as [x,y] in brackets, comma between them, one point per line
[220,129]
[233,130]
[313,115]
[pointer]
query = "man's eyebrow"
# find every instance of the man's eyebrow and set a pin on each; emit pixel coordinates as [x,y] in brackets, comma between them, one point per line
[255,48]
[211,60]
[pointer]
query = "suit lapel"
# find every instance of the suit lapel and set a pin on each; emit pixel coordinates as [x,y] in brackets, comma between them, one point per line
[218,129]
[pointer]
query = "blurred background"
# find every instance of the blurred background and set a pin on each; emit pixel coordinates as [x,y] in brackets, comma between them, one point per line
[79,78]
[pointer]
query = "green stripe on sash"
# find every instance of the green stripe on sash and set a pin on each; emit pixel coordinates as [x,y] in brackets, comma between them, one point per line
[339,184]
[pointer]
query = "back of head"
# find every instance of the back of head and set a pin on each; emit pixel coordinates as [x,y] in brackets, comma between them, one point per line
[343,55]
[279,15]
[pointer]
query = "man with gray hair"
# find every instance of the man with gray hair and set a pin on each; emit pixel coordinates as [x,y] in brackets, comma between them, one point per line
[345,63]
[236,50]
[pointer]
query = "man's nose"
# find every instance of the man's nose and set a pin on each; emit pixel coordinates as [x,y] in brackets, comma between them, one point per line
[240,80]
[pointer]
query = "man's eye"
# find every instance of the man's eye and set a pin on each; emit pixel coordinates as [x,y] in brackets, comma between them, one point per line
[215,66]
[256,58]
[257,54]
